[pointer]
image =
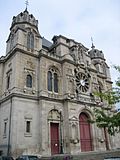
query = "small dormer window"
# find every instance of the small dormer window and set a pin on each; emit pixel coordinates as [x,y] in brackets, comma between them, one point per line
[30,40]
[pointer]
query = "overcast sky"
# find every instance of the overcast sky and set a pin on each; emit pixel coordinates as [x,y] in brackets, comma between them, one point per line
[77,19]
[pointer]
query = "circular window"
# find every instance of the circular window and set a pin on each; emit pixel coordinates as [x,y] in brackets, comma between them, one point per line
[82,82]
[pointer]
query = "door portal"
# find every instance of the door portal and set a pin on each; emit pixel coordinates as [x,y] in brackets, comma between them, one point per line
[54,131]
[85,133]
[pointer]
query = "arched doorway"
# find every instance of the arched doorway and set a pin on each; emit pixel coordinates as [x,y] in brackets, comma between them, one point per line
[55,123]
[54,135]
[85,133]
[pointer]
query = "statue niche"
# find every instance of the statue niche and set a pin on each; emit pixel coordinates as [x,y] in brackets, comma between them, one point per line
[77,52]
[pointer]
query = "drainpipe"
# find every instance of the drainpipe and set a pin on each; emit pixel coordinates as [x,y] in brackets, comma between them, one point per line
[9,132]
[61,138]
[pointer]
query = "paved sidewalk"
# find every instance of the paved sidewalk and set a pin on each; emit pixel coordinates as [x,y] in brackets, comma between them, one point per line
[103,155]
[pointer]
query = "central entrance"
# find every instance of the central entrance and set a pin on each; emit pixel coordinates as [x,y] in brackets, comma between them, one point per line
[54,132]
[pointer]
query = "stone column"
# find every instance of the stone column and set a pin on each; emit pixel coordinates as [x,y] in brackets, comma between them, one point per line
[66,127]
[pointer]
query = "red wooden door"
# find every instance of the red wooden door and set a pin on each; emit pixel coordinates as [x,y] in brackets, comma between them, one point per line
[54,131]
[85,133]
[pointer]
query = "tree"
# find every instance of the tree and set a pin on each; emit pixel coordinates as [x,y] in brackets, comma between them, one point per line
[104,116]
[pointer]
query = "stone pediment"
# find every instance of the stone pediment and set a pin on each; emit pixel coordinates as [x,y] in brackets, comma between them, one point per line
[73,118]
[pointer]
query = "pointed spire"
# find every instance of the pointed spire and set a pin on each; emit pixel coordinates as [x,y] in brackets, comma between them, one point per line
[92,43]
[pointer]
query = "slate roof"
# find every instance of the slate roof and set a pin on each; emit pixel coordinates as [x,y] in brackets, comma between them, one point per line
[45,43]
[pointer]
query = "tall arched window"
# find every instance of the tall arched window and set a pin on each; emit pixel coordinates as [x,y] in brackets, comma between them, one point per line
[29,81]
[11,41]
[8,82]
[52,80]
[30,40]
[100,89]
[55,82]
[104,69]
[49,81]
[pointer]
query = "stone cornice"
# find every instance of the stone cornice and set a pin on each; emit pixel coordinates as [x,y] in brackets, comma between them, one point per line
[14,51]
[38,98]
[18,95]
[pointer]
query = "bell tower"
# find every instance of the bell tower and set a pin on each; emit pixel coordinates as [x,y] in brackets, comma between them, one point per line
[24,33]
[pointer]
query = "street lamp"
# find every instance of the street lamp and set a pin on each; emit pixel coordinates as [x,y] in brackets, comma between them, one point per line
[61,143]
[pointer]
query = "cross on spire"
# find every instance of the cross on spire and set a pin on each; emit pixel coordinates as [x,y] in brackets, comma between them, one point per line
[92,43]
[27,3]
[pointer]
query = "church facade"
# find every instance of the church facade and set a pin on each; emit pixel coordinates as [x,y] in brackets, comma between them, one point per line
[46,93]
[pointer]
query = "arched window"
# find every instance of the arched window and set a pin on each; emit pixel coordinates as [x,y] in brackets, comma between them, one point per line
[100,89]
[49,81]
[55,82]
[30,40]
[8,82]
[29,81]
[104,69]
[52,80]
[11,41]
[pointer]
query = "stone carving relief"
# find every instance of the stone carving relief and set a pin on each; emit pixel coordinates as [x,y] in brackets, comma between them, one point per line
[77,52]
[74,130]
[54,115]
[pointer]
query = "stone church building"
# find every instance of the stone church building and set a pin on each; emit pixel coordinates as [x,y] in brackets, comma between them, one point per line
[46,93]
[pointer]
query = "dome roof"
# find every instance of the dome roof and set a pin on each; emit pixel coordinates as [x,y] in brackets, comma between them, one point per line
[24,17]
[95,53]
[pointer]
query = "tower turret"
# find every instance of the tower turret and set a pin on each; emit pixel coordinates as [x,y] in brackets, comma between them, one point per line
[99,61]
[24,33]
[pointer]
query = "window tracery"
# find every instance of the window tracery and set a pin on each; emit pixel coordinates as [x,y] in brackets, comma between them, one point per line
[30,40]
[52,77]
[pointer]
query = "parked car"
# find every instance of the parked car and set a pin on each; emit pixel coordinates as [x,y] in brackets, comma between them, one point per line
[6,158]
[112,158]
[28,157]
